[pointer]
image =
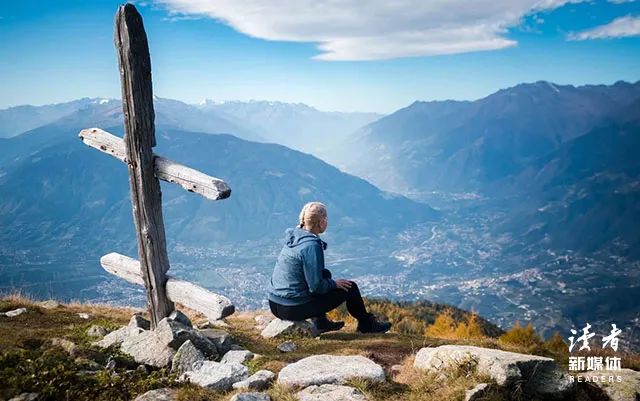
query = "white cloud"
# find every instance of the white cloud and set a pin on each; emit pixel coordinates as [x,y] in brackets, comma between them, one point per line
[618,28]
[375,29]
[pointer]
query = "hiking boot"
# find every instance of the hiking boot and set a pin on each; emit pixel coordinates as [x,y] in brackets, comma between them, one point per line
[372,325]
[323,325]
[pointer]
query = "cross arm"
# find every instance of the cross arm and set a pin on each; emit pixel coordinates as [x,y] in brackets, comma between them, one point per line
[167,170]
[213,306]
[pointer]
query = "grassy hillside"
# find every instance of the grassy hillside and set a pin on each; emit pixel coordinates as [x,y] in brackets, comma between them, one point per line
[32,359]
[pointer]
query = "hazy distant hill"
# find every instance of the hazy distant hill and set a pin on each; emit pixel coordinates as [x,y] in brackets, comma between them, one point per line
[297,126]
[18,119]
[64,191]
[463,146]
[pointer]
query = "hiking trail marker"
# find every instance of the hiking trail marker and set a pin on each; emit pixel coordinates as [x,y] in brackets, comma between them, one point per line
[145,171]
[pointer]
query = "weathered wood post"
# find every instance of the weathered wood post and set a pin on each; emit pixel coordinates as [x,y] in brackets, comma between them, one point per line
[146,198]
[145,169]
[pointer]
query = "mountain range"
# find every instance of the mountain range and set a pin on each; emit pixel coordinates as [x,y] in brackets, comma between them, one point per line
[535,188]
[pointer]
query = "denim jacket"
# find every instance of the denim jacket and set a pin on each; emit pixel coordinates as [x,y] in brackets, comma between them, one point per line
[297,275]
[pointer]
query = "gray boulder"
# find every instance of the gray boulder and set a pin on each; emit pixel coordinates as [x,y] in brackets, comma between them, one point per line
[628,389]
[222,340]
[146,347]
[251,397]
[215,375]
[240,356]
[330,369]
[330,392]
[96,331]
[137,321]
[173,334]
[162,394]
[186,356]
[536,375]
[14,313]
[281,328]
[287,346]
[180,317]
[257,381]
[116,337]
[50,304]
[477,393]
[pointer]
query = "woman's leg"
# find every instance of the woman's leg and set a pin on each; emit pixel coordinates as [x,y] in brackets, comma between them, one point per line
[323,304]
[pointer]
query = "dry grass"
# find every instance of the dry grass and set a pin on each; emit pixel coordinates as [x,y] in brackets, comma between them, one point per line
[30,330]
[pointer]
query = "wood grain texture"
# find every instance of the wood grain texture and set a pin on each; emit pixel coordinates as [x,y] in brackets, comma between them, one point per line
[213,306]
[191,180]
[137,101]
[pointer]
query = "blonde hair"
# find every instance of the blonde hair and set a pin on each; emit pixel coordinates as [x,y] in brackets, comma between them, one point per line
[311,214]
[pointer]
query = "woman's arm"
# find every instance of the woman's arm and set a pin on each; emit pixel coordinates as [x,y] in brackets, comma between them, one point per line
[312,265]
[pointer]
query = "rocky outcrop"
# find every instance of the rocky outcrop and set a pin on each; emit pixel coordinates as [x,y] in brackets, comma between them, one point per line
[186,356]
[284,328]
[220,338]
[258,381]
[148,348]
[215,375]
[535,375]
[627,389]
[330,392]
[330,369]
[239,356]
[174,333]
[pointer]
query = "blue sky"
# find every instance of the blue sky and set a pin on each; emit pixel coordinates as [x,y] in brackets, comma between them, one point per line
[335,57]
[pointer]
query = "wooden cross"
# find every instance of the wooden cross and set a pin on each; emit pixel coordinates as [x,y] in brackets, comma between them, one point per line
[145,168]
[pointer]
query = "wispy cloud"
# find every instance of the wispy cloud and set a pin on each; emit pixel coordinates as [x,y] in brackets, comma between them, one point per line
[376,29]
[618,28]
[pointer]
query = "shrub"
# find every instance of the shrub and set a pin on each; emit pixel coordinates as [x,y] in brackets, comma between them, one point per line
[524,337]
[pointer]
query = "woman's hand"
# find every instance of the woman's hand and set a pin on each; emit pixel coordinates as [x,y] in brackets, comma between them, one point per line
[343,284]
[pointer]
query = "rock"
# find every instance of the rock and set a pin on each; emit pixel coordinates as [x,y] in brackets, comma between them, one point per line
[180,317]
[83,315]
[477,393]
[66,345]
[330,369]
[536,375]
[281,328]
[251,397]
[50,304]
[143,369]
[137,321]
[257,381]
[26,397]
[628,389]
[262,321]
[237,357]
[173,334]
[162,394]
[186,356]
[222,340]
[330,392]
[215,375]
[148,348]
[287,346]
[118,336]
[96,331]
[14,313]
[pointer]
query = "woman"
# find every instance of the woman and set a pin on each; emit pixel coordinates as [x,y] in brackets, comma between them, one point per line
[302,288]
